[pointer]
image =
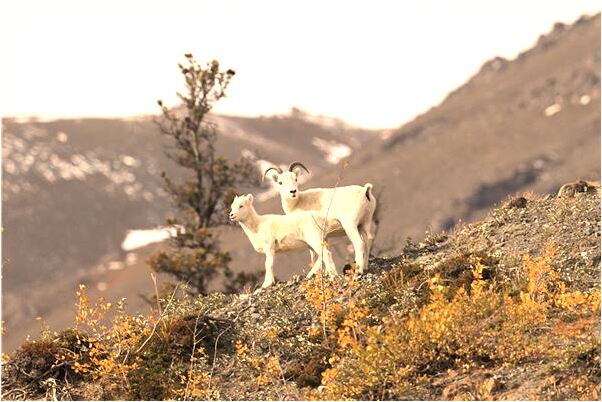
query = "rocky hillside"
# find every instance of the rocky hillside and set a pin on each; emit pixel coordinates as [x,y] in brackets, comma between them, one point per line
[463,314]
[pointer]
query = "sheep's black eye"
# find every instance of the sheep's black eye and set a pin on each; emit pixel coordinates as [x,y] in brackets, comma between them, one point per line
[280,183]
[241,206]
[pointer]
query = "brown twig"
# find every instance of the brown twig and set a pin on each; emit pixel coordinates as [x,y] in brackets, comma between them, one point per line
[154,279]
[219,335]
[192,358]
[324,241]
[173,294]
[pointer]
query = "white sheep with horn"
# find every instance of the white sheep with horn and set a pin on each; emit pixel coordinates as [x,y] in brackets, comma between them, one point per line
[348,209]
[271,234]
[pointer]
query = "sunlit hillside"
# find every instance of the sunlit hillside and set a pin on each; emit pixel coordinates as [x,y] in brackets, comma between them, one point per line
[505,308]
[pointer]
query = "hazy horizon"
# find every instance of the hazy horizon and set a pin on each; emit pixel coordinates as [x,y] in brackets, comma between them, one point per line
[373,67]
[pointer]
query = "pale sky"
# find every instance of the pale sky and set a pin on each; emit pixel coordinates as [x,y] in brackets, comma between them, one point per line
[371,63]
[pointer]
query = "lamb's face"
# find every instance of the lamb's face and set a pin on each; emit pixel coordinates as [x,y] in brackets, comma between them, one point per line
[287,184]
[241,207]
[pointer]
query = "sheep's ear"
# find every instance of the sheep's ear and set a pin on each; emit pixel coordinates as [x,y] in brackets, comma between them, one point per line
[275,177]
[250,197]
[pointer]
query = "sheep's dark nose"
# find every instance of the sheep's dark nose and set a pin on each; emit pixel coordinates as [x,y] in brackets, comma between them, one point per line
[293,192]
[231,216]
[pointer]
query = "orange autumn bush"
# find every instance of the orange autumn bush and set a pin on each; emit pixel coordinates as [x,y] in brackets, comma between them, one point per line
[265,369]
[340,323]
[121,352]
[474,326]
[106,337]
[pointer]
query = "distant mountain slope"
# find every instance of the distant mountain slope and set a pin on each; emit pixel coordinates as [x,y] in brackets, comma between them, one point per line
[530,123]
[72,188]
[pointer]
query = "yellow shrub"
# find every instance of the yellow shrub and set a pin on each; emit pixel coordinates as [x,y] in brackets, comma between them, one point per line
[105,352]
[266,369]
[472,326]
[195,383]
[111,351]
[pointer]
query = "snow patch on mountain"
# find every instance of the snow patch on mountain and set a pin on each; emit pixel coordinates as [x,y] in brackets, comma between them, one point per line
[135,239]
[30,154]
[333,151]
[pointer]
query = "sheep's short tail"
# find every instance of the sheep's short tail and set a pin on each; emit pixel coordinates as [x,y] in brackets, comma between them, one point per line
[368,187]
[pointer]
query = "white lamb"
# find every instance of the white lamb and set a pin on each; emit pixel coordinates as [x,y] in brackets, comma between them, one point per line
[271,234]
[349,209]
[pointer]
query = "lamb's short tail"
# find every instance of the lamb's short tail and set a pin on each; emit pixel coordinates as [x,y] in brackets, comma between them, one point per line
[368,187]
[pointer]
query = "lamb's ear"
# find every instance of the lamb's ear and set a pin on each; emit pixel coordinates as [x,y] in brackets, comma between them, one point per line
[250,197]
[275,178]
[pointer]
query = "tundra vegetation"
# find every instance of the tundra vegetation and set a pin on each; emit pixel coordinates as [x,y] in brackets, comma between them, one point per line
[504,308]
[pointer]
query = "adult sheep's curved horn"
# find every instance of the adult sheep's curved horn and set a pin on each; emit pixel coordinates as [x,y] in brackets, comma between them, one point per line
[295,164]
[271,168]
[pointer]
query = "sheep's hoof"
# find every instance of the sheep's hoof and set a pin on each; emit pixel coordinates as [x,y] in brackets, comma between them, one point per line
[263,287]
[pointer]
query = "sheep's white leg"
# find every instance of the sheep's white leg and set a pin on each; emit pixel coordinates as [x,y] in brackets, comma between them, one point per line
[367,236]
[358,244]
[269,268]
[317,247]
[329,262]
[330,265]
[317,265]
[312,257]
